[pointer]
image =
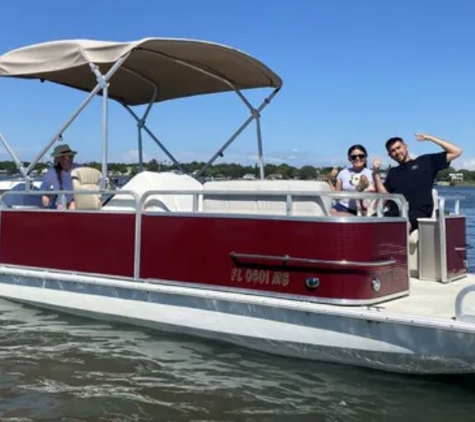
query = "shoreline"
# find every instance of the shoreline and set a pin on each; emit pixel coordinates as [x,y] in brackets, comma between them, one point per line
[458,185]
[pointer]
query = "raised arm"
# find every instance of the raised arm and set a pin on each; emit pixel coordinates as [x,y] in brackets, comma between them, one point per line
[453,151]
[378,183]
[47,183]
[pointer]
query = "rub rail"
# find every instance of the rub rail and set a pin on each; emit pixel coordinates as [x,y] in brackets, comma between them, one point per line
[289,260]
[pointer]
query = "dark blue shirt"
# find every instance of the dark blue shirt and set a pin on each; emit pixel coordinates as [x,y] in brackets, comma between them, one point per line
[51,182]
[415,180]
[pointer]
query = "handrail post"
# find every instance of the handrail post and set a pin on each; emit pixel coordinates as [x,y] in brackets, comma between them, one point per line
[138,234]
[288,204]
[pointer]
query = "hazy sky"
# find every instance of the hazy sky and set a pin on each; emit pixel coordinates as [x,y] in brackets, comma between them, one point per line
[354,71]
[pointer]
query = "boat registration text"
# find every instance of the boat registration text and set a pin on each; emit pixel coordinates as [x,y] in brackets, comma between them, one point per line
[278,278]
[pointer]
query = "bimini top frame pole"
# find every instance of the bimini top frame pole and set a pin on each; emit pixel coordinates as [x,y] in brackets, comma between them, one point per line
[102,85]
[146,71]
[255,115]
[18,163]
[142,126]
[141,121]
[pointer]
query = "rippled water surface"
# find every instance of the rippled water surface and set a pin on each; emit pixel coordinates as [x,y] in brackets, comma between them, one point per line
[55,367]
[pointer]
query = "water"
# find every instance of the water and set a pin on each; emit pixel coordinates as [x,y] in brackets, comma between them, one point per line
[58,368]
[55,367]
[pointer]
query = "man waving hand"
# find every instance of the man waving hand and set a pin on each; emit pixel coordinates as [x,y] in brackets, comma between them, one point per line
[414,178]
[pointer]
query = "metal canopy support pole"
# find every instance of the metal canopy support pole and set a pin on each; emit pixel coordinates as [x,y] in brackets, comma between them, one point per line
[105,136]
[18,163]
[103,83]
[239,131]
[150,133]
[59,133]
[141,124]
[140,144]
[259,144]
[83,105]
[255,113]
[257,116]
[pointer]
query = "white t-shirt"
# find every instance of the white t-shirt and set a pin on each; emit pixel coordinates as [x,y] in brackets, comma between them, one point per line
[349,181]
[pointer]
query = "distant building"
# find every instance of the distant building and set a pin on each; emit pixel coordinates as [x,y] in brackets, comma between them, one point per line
[249,176]
[221,176]
[456,177]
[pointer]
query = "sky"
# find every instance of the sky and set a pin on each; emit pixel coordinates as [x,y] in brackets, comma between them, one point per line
[354,72]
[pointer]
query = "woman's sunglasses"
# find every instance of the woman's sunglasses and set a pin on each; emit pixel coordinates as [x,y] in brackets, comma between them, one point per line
[355,156]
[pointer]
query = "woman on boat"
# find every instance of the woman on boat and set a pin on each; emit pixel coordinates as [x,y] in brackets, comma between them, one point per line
[58,178]
[355,178]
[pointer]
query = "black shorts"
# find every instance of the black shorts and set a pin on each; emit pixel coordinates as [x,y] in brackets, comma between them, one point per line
[341,208]
[414,215]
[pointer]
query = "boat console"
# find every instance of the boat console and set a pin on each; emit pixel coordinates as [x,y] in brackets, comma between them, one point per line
[442,244]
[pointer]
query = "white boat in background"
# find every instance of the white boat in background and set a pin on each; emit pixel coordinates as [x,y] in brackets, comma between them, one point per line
[15,183]
[260,264]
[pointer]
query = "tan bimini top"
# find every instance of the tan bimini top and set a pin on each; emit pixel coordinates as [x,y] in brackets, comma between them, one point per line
[173,68]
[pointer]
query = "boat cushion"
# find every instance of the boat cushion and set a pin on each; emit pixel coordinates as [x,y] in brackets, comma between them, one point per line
[148,181]
[86,179]
[249,203]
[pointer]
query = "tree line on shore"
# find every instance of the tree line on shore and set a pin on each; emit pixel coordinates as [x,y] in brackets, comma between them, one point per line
[224,170]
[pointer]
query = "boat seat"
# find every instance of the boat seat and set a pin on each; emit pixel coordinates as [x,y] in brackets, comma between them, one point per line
[148,181]
[86,179]
[250,203]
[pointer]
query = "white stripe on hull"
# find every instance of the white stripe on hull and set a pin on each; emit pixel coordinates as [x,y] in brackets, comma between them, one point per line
[318,335]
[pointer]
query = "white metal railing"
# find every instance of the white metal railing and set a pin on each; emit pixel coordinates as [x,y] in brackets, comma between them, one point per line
[199,195]
[443,200]
[56,193]
[459,300]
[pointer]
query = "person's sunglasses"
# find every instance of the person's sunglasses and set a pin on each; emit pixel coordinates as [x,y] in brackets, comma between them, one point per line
[355,156]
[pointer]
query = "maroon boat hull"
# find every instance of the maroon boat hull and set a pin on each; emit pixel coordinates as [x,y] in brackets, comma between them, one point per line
[280,256]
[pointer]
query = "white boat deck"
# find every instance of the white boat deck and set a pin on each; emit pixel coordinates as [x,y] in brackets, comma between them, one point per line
[432,299]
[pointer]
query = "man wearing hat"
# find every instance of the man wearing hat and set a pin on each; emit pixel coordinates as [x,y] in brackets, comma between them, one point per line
[58,177]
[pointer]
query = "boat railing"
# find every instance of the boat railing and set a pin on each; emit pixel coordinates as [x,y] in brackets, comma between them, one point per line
[290,198]
[454,199]
[198,198]
[460,315]
[105,194]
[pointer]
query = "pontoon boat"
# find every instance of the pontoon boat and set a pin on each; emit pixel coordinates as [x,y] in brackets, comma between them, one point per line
[261,264]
